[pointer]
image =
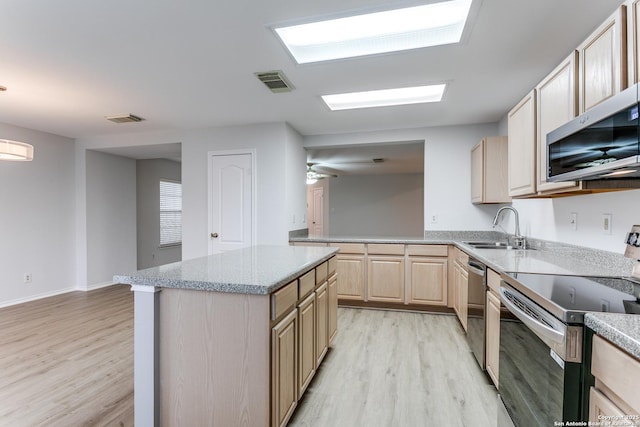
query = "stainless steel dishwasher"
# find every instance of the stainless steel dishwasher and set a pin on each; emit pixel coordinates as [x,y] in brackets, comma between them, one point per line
[476,300]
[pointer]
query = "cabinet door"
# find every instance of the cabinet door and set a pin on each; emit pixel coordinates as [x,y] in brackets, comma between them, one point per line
[385,278]
[428,281]
[633,40]
[477,175]
[322,322]
[602,60]
[350,270]
[307,340]
[521,123]
[557,104]
[333,307]
[601,408]
[284,379]
[461,295]
[493,336]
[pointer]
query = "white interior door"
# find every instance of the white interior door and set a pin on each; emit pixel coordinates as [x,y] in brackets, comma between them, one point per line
[318,211]
[231,202]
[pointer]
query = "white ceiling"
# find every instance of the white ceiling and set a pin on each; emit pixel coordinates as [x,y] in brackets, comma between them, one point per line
[191,64]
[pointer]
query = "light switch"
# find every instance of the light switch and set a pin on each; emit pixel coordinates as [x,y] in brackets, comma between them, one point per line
[606,223]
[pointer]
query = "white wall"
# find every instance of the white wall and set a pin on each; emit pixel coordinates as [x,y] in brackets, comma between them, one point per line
[274,211]
[111,216]
[447,176]
[295,180]
[37,216]
[377,205]
[148,176]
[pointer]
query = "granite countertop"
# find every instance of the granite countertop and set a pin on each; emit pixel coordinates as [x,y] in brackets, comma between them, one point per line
[621,329]
[254,270]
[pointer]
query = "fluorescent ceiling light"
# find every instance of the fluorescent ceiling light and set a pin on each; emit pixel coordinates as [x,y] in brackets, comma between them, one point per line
[401,29]
[386,97]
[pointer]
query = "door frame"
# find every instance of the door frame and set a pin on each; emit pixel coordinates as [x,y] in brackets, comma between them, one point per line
[254,181]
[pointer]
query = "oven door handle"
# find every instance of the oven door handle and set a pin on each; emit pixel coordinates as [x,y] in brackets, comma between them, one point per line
[540,329]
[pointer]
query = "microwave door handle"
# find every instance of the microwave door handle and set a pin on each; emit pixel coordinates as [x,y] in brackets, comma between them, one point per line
[540,329]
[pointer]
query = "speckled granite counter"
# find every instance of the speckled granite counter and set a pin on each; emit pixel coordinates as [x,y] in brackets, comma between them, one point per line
[621,329]
[255,270]
[549,257]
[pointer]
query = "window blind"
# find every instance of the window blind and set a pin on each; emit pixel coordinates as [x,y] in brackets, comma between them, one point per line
[170,213]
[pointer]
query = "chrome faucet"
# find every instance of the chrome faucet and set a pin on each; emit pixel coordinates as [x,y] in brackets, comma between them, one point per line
[518,239]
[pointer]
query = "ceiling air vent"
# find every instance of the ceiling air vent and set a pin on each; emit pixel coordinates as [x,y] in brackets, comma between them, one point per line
[124,118]
[275,81]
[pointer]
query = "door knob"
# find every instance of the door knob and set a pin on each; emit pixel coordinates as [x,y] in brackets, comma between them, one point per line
[214,235]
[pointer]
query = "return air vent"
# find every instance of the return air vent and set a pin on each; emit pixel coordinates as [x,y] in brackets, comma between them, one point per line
[124,118]
[275,81]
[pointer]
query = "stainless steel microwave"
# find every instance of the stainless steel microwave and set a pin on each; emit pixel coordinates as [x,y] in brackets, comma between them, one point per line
[601,143]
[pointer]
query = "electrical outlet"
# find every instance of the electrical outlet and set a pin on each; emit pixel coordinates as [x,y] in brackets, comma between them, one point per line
[573,220]
[434,219]
[606,223]
[28,277]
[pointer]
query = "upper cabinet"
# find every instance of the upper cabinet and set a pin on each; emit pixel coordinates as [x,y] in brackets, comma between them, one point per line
[557,102]
[521,123]
[603,60]
[489,181]
[633,41]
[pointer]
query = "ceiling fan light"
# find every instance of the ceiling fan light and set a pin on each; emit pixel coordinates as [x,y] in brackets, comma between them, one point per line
[15,151]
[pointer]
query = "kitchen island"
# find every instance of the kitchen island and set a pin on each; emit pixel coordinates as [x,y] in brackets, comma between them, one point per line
[228,339]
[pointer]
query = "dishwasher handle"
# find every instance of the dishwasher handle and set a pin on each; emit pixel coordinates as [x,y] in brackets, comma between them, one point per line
[476,268]
[539,328]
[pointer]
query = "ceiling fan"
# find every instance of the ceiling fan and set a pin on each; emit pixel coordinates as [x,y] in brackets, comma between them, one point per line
[604,158]
[313,176]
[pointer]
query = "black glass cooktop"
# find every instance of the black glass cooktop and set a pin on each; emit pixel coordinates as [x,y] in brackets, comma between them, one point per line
[569,297]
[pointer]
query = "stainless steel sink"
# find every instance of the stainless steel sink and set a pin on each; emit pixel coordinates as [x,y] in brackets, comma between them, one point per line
[494,245]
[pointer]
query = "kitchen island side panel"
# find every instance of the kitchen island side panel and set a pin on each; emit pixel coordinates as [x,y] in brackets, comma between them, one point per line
[214,358]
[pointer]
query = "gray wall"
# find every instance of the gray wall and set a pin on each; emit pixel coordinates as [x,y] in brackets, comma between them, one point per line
[377,205]
[149,173]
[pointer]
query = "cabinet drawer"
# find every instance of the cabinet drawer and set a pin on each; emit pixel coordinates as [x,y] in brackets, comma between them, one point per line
[321,272]
[386,249]
[493,280]
[333,265]
[427,250]
[617,370]
[307,283]
[348,248]
[284,300]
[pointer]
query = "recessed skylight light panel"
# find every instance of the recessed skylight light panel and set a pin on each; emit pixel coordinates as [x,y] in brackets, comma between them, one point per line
[380,32]
[386,97]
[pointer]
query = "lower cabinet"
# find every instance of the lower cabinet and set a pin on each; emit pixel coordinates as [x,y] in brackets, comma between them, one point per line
[460,287]
[284,347]
[307,339]
[615,397]
[492,336]
[305,313]
[350,266]
[385,278]
[427,267]
[322,322]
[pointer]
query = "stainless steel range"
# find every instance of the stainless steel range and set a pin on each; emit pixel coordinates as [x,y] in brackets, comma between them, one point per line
[541,341]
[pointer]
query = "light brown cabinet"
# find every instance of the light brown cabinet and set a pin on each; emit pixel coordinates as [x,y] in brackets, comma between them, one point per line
[460,286]
[351,269]
[489,166]
[427,281]
[617,375]
[521,122]
[284,369]
[332,289]
[557,103]
[633,41]
[492,336]
[602,66]
[322,322]
[307,340]
[385,278]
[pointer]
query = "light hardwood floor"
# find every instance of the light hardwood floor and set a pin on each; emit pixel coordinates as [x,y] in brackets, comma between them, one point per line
[68,360]
[398,369]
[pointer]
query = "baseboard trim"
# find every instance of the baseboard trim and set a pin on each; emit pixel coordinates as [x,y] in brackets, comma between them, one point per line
[35,297]
[435,309]
[98,286]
